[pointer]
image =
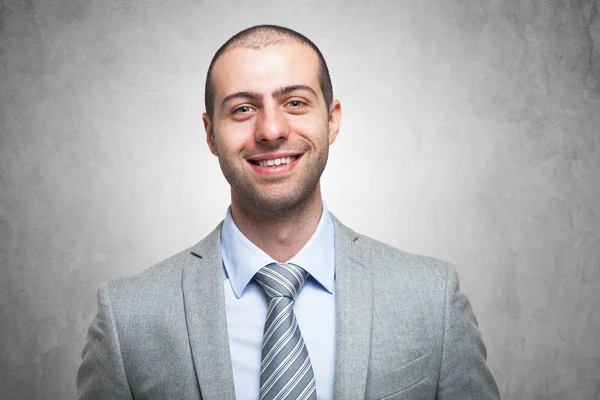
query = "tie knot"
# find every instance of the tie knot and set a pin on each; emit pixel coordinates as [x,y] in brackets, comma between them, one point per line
[281,280]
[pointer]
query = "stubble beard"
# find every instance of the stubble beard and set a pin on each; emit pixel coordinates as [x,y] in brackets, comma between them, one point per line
[285,199]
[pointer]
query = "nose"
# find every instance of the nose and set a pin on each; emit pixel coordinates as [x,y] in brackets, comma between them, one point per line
[271,125]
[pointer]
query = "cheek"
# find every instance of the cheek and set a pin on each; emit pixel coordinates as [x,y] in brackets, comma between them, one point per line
[232,138]
[309,127]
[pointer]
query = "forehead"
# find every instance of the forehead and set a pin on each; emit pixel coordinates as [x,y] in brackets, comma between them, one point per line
[266,69]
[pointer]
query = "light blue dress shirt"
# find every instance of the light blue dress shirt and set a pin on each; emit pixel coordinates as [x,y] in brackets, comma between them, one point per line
[246,305]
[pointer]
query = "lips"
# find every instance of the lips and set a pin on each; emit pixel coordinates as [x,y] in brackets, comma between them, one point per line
[274,164]
[277,161]
[274,160]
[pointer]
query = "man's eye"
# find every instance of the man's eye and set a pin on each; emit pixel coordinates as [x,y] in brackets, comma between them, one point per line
[296,103]
[242,109]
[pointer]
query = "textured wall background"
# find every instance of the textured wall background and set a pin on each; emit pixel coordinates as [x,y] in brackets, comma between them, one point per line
[471,133]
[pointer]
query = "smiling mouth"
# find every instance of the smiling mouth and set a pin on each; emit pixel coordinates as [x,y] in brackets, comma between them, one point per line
[274,162]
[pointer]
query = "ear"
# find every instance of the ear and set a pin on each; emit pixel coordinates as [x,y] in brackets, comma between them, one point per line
[210,138]
[335,118]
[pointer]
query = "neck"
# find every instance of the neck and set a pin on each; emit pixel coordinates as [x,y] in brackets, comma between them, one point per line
[281,236]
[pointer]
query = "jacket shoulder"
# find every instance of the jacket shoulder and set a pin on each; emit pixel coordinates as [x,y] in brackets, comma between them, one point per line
[384,258]
[382,255]
[156,277]
[168,272]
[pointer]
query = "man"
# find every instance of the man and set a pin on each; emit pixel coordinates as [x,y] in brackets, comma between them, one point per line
[282,300]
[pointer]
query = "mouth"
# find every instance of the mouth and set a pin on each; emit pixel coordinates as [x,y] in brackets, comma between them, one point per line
[272,165]
[274,162]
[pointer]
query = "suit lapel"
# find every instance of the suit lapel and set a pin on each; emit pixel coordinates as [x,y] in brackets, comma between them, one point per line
[204,302]
[354,307]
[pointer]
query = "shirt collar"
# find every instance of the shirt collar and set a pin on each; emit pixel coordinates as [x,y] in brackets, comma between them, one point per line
[242,259]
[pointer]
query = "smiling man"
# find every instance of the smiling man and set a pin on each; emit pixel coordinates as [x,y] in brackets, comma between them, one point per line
[281,300]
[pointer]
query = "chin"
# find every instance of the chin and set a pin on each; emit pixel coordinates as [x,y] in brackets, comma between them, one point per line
[274,205]
[277,206]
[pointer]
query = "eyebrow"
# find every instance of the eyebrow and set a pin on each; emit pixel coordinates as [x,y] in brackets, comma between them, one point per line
[292,88]
[277,93]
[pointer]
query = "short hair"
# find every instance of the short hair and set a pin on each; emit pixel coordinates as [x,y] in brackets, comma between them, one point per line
[258,37]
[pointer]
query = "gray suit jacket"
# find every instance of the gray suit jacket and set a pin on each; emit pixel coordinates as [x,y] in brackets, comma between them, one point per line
[404,330]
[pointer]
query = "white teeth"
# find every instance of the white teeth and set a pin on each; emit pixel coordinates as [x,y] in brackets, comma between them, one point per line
[277,161]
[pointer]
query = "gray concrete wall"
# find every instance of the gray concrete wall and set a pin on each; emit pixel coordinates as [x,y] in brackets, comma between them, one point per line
[471,133]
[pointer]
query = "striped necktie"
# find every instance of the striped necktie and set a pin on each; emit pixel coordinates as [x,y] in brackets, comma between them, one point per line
[285,371]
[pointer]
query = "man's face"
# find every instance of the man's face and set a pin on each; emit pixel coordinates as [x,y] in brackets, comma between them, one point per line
[271,129]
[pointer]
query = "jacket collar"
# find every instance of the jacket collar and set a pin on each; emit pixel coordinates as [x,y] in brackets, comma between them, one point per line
[354,308]
[204,303]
